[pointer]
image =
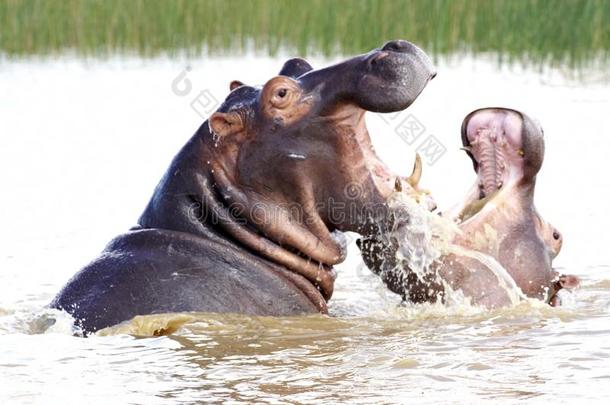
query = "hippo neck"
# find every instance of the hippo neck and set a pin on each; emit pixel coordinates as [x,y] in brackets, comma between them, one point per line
[220,215]
[187,199]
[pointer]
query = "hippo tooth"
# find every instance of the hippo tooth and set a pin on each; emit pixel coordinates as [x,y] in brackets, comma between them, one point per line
[397,185]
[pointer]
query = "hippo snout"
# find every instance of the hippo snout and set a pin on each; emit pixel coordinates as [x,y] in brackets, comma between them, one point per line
[387,79]
[406,47]
[399,45]
[396,74]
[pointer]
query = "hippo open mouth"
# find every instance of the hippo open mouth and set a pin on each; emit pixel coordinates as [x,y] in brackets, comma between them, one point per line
[500,231]
[495,141]
[507,151]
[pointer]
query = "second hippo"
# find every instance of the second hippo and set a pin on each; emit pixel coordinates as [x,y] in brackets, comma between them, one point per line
[497,220]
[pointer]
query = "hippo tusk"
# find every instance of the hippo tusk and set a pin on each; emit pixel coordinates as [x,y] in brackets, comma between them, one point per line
[414,178]
[398,185]
[467,149]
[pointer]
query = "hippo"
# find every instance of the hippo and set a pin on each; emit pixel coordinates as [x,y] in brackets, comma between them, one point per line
[497,218]
[250,215]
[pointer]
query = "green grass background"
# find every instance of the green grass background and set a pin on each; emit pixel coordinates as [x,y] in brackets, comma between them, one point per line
[571,32]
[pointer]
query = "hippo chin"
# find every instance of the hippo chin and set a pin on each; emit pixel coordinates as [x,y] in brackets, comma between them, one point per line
[497,218]
[248,217]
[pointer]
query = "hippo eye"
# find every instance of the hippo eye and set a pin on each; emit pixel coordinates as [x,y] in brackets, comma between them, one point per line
[282,97]
[281,93]
[556,235]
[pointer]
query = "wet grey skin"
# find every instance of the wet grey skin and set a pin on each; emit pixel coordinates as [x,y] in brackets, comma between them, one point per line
[497,217]
[245,219]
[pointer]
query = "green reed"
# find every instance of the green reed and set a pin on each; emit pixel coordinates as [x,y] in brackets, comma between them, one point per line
[572,32]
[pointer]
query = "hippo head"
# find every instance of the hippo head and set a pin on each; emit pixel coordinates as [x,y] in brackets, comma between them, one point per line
[507,149]
[291,162]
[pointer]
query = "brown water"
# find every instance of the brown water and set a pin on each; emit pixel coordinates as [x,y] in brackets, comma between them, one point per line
[81,149]
[393,355]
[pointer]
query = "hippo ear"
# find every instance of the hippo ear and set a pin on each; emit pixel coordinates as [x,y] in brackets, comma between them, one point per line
[224,124]
[235,84]
[295,67]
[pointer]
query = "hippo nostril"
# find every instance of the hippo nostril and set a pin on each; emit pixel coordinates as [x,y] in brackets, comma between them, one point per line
[432,76]
[379,56]
[398,46]
[556,235]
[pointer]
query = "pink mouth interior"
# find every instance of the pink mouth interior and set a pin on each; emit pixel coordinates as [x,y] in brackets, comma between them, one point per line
[495,142]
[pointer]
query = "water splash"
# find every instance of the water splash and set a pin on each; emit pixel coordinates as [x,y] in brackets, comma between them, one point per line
[38,321]
[423,238]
